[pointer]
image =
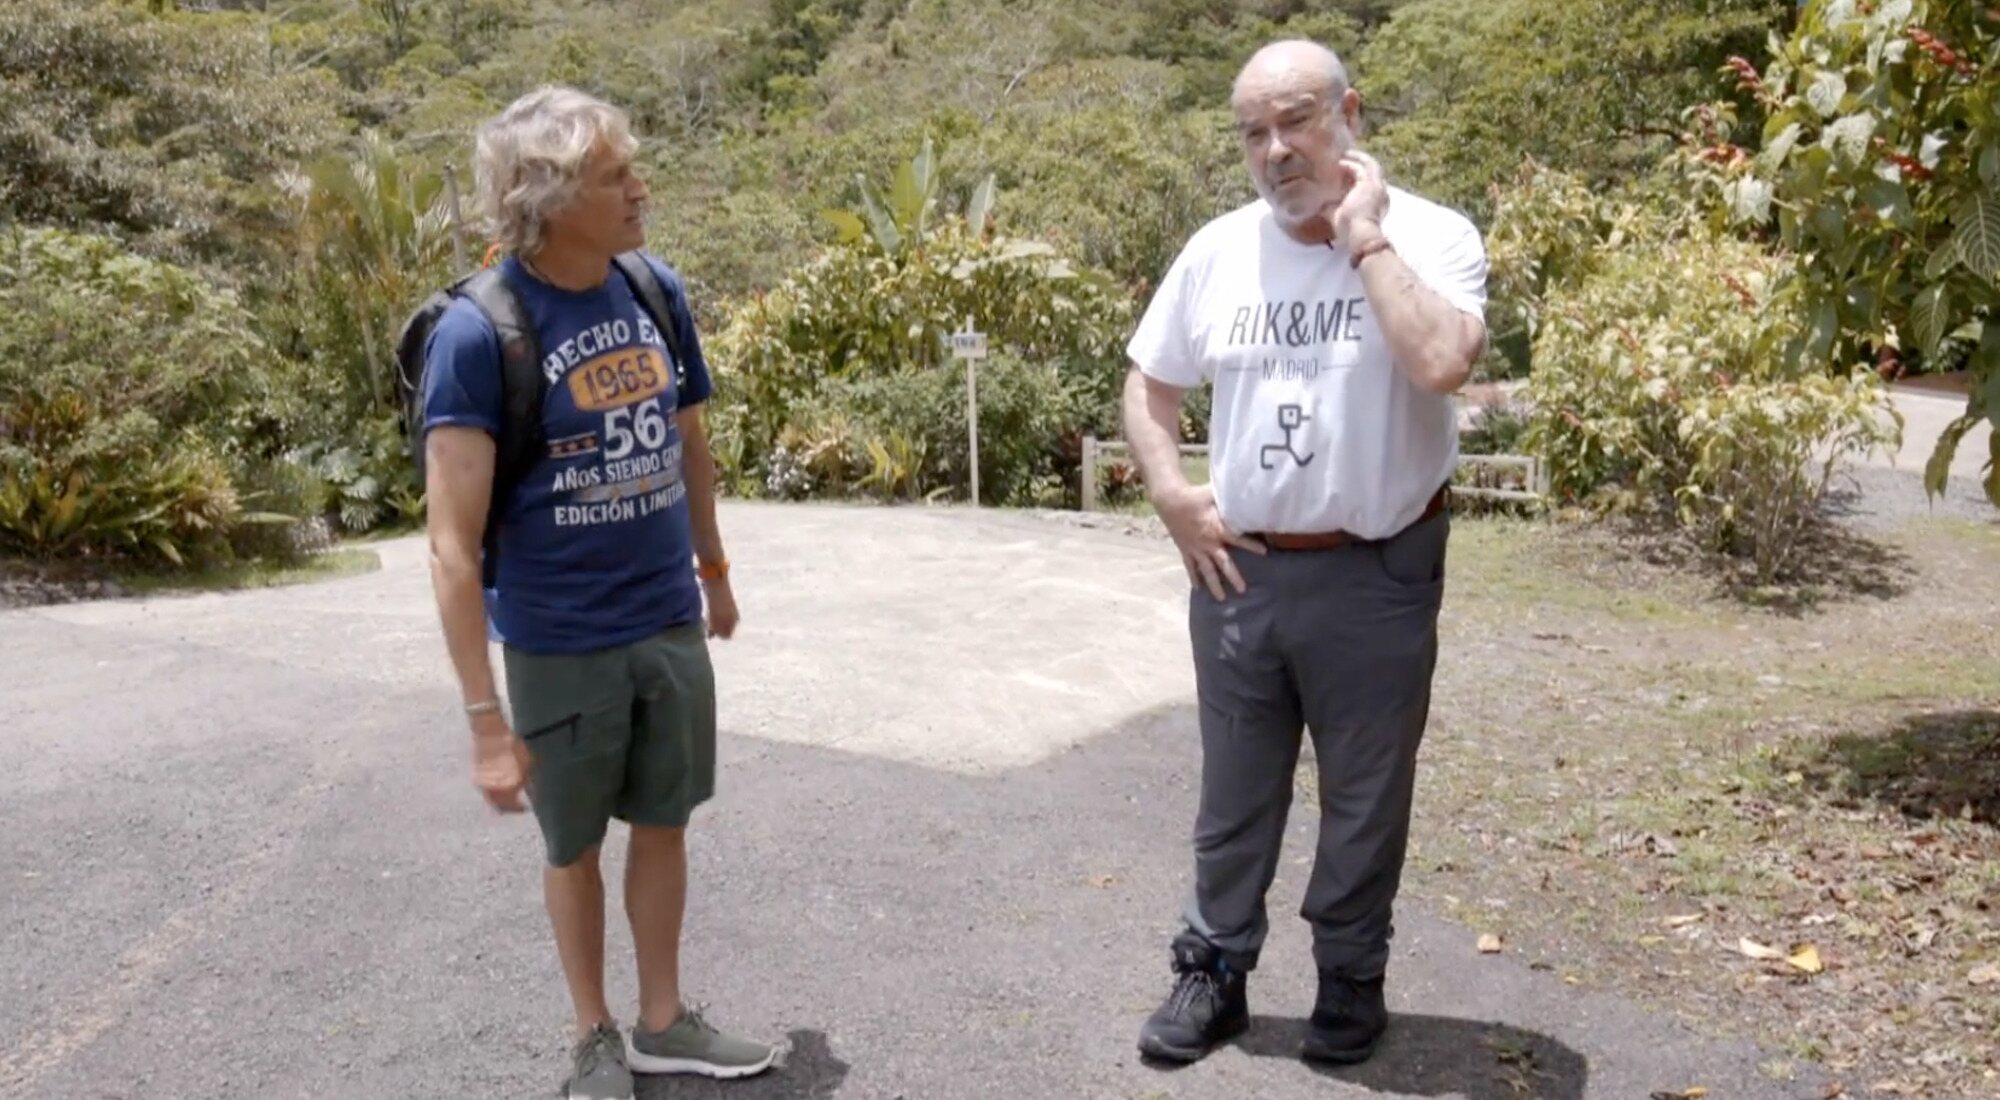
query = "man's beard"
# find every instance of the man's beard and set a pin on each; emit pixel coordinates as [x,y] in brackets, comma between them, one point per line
[1305,202]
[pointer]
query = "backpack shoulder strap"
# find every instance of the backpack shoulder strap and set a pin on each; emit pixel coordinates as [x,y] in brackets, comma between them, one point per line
[652,295]
[521,392]
[520,359]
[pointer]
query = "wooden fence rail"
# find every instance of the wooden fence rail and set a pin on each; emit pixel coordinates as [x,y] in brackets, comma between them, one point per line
[1098,453]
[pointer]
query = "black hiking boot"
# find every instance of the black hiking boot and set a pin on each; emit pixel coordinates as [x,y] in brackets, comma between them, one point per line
[1208,1006]
[1348,1019]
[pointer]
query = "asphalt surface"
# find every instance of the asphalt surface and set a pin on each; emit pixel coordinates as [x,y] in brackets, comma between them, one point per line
[240,855]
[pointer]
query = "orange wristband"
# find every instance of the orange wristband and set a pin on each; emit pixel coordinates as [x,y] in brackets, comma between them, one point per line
[713,571]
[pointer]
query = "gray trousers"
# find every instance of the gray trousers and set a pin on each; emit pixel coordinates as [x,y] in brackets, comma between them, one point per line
[1342,642]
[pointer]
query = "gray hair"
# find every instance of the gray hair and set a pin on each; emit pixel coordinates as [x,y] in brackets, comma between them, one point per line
[529,159]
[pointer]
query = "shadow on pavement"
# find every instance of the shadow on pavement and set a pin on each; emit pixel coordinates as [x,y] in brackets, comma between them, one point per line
[808,1071]
[1444,1057]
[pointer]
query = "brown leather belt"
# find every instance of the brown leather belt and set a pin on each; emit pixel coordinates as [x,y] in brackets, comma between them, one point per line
[1333,540]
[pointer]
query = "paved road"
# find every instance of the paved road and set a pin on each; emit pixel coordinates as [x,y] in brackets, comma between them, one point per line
[239,856]
[1926,414]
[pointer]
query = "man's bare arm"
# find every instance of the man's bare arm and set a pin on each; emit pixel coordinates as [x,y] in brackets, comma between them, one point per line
[1433,341]
[1152,415]
[698,470]
[459,485]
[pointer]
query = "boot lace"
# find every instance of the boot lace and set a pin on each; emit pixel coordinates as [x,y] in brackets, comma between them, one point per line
[1195,987]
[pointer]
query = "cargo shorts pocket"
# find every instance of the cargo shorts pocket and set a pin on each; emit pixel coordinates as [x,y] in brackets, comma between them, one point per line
[574,714]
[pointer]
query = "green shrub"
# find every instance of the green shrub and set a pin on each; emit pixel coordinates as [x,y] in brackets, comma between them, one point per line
[903,436]
[375,238]
[1498,427]
[840,377]
[1879,170]
[163,129]
[1655,387]
[133,391]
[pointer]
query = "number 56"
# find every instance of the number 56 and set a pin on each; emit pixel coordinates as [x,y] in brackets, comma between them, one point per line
[643,421]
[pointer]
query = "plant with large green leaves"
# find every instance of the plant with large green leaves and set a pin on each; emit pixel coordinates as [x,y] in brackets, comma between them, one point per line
[1880,167]
[139,410]
[879,303]
[375,238]
[900,220]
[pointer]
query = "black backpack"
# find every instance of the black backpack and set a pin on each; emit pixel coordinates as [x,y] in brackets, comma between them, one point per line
[521,382]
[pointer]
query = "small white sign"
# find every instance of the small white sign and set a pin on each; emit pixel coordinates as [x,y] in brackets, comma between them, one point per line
[968,345]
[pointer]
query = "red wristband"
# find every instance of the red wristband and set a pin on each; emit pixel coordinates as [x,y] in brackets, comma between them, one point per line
[1369,248]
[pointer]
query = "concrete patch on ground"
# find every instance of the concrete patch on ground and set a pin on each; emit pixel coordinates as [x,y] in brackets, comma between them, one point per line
[946,637]
[950,638]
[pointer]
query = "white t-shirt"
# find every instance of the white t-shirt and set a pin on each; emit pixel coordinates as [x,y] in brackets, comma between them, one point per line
[1314,428]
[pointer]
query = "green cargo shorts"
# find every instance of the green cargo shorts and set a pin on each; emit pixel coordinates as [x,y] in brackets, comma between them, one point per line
[626,733]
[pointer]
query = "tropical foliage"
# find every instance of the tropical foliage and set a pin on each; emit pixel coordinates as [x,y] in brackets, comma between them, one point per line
[819,359]
[141,410]
[842,182]
[1880,171]
[374,236]
[1660,383]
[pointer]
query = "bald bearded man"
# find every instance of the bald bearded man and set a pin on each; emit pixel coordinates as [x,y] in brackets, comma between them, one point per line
[1334,318]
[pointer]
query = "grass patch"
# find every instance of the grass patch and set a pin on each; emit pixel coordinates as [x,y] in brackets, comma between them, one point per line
[1130,497]
[1633,773]
[1544,566]
[239,576]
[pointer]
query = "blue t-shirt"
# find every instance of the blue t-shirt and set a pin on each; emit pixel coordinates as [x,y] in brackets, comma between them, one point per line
[594,544]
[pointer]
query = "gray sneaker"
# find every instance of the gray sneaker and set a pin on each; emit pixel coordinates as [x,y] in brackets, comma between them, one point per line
[597,1067]
[693,1045]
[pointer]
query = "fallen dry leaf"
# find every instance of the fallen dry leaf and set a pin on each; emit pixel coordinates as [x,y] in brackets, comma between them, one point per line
[1695,1093]
[1103,882]
[1806,958]
[1985,975]
[1684,921]
[1834,1091]
[1489,944]
[1751,949]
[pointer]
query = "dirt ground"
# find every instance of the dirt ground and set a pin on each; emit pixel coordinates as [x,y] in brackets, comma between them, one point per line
[1780,820]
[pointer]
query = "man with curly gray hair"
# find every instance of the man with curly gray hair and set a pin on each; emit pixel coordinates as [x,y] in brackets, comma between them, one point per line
[597,563]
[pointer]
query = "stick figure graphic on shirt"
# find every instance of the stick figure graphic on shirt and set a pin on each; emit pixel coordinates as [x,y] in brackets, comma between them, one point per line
[1289,419]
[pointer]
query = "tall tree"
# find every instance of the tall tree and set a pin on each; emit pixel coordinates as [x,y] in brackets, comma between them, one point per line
[1460,90]
[164,129]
